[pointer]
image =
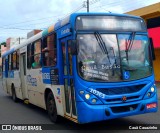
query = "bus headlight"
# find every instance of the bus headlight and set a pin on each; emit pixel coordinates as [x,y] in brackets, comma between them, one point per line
[150,93]
[87,96]
[152,89]
[94,100]
[81,92]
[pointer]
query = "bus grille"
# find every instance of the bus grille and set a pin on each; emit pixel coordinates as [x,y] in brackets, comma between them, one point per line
[121,90]
[120,99]
[121,109]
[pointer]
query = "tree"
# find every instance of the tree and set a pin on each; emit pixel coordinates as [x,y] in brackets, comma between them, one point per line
[3,43]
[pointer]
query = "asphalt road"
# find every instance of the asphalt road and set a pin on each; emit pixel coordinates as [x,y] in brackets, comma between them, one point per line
[20,113]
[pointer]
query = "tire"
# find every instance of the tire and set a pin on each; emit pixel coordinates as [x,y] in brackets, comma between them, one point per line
[51,108]
[14,97]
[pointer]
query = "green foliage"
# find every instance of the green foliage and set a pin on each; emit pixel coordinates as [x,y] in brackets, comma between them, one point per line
[3,43]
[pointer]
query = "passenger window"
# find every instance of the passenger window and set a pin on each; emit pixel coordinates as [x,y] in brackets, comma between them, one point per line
[49,49]
[36,62]
[14,61]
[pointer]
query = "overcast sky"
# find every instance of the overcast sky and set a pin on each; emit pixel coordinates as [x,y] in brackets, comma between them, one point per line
[17,17]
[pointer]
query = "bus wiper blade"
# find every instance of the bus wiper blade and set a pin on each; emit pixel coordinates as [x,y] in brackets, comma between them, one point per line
[129,44]
[102,44]
[99,42]
[131,41]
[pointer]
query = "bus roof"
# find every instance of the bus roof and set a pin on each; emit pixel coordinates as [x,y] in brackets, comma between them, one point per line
[73,16]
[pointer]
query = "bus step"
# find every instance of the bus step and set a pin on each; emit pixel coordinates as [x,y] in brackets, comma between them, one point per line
[26,101]
[70,118]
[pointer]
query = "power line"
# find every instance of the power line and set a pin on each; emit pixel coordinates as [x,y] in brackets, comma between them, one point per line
[29,25]
[87,3]
[17,28]
[56,16]
[111,4]
[73,11]
[30,21]
[93,2]
[14,28]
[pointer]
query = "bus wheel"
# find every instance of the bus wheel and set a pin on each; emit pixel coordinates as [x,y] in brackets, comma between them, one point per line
[51,108]
[14,97]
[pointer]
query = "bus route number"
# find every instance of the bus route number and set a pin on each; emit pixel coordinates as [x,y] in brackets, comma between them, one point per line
[95,92]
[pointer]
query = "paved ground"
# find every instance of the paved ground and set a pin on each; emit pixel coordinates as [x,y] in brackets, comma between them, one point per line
[20,113]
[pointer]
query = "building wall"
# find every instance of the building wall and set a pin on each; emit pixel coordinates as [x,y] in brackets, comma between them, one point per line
[154,33]
[3,50]
[10,42]
[156,65]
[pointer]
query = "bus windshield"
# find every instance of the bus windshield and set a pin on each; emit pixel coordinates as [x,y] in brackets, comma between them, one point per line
[103,58]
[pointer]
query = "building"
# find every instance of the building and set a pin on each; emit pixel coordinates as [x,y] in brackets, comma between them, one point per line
[3,50]
[10,42]
[151,14]
[32,33]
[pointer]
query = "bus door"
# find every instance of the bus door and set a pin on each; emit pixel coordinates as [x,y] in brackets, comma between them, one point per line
[68,80]
[23,75]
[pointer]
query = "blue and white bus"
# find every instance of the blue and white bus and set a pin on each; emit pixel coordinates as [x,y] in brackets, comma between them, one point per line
[88,67]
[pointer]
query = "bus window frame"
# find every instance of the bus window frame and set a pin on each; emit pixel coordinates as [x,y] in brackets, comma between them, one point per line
[29,57]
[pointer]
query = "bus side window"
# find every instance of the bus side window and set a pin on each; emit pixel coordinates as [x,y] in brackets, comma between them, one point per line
[49,48]
[14,61]
[36,62]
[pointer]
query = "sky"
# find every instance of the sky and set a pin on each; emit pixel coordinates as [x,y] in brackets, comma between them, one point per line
[18,17]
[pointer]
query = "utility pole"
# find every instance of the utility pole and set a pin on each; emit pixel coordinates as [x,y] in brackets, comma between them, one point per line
[87,5]
[19,40]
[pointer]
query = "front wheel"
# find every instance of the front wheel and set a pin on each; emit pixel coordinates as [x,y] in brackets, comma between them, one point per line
[51,108]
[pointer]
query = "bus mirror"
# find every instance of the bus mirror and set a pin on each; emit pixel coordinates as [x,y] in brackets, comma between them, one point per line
[73,44]
[152,49]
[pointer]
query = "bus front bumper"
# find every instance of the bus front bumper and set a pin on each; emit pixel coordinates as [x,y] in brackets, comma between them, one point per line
[92,113]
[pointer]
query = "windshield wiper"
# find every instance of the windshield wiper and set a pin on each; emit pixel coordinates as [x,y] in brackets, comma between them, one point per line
[102,44]
[129,43]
